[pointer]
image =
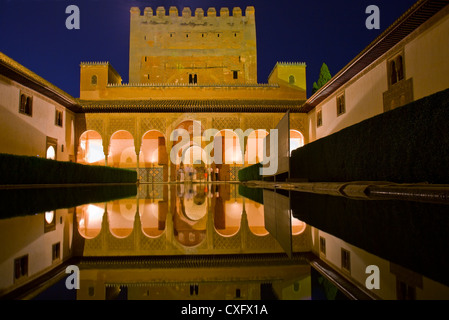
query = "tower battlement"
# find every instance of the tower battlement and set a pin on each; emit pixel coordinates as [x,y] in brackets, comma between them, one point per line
[199,13]
[192,46]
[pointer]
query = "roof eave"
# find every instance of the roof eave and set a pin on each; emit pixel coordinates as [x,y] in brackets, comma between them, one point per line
[378,48]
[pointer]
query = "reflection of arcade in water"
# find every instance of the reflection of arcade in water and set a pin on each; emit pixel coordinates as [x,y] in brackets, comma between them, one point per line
[181,219]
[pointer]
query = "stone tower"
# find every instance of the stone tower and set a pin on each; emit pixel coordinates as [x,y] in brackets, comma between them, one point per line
[199,48]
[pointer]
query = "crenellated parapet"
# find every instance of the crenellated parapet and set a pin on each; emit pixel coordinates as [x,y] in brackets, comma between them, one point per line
[94,63]
[292,64]
[199,13]
[96,75]
[291,74]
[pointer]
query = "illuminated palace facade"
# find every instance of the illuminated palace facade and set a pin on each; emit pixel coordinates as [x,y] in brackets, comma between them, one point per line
[191,71]
[198,70]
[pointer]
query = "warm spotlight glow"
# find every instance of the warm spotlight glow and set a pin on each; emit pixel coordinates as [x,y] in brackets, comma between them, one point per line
[94,212]
[194,155]
[153,209]
[51,153]
[89,220]
[95,153]
[49,216]
[298,226]
[296,140]
[154,157]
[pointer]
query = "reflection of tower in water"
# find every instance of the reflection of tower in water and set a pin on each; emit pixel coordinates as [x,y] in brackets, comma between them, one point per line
[190,219]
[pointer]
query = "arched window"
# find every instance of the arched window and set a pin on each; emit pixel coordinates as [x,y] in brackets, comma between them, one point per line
[93,80]
[296,140]
[195,79]
[341,105]
[291,79]
[23,101]
[29,106]
[51,153]
[58,118]
[400,68]
[26,104]
[394,75]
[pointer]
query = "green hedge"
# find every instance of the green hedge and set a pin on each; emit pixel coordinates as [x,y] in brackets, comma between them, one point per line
[250,173]
[408,144]
[16,169]
[411,234]
[19,202]
[255,194]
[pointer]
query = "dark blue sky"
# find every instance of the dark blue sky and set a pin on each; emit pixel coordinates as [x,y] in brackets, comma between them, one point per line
[33,33]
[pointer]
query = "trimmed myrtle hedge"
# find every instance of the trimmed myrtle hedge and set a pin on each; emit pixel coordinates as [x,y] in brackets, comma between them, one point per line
[408,144]
[403,232]
[255,194]
[250,173]
[19,202]
[16,169]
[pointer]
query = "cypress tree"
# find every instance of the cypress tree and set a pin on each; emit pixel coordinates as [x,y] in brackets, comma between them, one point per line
[324,77]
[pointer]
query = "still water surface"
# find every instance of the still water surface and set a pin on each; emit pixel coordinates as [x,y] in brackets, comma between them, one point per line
[218,241]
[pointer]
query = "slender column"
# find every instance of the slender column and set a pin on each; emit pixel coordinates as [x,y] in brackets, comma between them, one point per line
[210,230]
[106,146]
[244,227]
[137,165]
[137,146]
[137,227]
[106,159]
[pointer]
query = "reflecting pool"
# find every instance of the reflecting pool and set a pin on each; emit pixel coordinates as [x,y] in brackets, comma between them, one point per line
[203,241]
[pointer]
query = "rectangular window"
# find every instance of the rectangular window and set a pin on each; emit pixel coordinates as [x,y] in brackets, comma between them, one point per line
[405,291]
[58,118]
[56,251]
[323,245]
[341,105]
[193,79]
[193,289]
[26,104]
[235,74]
[319,118]
[21,267]
[345,260]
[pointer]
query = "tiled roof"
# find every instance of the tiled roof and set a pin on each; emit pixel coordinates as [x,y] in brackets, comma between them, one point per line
[161,106]
[17,72]
[195,85]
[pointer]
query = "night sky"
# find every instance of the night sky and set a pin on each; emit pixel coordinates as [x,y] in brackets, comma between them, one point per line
[33,33]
